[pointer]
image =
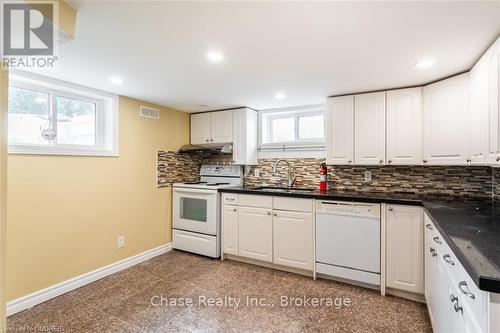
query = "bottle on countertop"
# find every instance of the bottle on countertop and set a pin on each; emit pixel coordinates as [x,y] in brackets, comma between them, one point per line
[323,173]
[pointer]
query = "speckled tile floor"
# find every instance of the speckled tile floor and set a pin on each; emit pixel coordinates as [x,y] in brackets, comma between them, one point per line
[123,301]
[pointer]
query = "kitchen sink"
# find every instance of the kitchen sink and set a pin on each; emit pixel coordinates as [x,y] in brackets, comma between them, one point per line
[283,189]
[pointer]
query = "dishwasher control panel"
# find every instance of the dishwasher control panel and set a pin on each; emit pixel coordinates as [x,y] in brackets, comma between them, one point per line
[348,208]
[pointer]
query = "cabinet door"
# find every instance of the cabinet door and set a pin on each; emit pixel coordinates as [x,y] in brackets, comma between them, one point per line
[405,262]
[369,124]
[244,137]
[446,121]
[430,260]
[293,239]
[404,126]
[221,127]
[340,130]
[479,81]
[493,138]
[255,233]
[200,128]
[230,229]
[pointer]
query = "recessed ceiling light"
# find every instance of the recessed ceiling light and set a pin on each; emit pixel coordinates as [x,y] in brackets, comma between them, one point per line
[424,64]
[202,106]
[215,56]
[116,80]
[280,95]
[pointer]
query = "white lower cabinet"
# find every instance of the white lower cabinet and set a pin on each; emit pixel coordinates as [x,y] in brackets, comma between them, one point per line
[277,230]
[255,233]
[293,239]
[404,256]
[230,229]
[455,303]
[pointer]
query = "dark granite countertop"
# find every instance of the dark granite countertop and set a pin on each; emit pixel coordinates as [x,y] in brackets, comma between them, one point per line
[471,227]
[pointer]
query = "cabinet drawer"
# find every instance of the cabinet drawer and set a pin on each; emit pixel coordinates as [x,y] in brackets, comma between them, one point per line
[230,199]
[252,200]
[293,204]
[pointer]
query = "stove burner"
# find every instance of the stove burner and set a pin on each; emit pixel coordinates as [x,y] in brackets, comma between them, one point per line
[194,183]
[217,184]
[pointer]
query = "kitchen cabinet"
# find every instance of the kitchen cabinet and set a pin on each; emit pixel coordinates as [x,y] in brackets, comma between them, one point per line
[340,130]
[273,229]
[221,126]
[454,301]
[200,128]
[230,229]
[255,233]
[369,128]
[479,85]
[244,136]
[293,235]
[404,248]
[404,126]
[446,121]
[212,127]
[490,63]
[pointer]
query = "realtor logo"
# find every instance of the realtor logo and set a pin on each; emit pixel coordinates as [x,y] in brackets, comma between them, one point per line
[28,34]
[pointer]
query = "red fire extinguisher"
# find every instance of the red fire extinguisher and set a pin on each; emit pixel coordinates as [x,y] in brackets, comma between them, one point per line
[323,172]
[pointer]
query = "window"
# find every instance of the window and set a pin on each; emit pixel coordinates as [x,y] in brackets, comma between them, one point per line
[300,127]
[48,116]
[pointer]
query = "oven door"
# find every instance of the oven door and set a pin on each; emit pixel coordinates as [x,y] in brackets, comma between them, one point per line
[195,210]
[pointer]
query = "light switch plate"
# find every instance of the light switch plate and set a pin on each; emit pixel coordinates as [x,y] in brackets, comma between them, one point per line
[368,176]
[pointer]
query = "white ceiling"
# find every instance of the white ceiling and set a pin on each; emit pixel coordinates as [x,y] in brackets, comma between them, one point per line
[304,49]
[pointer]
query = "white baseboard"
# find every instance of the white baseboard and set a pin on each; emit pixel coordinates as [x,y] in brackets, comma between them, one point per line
[43,295]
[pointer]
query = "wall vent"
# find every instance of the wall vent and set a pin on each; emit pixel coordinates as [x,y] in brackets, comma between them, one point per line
[147,112]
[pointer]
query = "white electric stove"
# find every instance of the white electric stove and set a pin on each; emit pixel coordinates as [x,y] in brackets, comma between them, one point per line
[196,209]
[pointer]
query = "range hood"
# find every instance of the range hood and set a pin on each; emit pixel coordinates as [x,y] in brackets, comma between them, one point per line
[225,148]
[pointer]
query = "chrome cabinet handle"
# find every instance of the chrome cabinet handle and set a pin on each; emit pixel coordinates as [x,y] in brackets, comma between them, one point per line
[235,210]
[230,199]
[433,252]
[206,140]
[425,161]
[428,226]
[275,214]
[436,239]
[458,307]
[390,209]
[381,161]
[469,160]
[447,258]
[498,159]
[453,298]
[349,161]
[465,289]
[268,213]
[389,161]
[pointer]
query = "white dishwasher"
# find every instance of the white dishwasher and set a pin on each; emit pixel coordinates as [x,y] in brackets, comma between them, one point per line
[348,241]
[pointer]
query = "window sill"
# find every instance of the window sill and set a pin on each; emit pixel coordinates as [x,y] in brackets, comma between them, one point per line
[28,150]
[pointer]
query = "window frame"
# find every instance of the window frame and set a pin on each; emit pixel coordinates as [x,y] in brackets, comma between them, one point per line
[296,113]
[106,117]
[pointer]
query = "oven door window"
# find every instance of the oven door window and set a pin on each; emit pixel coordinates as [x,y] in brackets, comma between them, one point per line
[193,209]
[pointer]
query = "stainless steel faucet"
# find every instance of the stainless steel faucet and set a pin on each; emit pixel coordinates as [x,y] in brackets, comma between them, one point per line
[291,177]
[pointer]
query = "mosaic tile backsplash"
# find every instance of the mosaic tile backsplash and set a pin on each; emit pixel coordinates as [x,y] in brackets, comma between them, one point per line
[468,181]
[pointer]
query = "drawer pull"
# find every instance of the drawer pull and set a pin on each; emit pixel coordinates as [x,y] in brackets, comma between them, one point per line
[235,210]
[453,298]
[428,226]
[433,252]
[437,240]
[447,258]
[269,213]
[230,199]
[458,308]
[465,289]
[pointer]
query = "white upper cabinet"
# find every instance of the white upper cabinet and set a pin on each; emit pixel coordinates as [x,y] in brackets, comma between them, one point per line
[244,136]
[221,127]
[404,126]
[479,85]
[492,62]
[200,128]
[369,128]
[340,130]
[446,121]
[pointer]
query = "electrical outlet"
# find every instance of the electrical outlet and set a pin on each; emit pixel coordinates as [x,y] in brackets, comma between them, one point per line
[368,176]
[120,241]
[256,172]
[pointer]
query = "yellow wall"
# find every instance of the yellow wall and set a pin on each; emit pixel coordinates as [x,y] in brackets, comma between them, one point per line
[4,83]
[64,212]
